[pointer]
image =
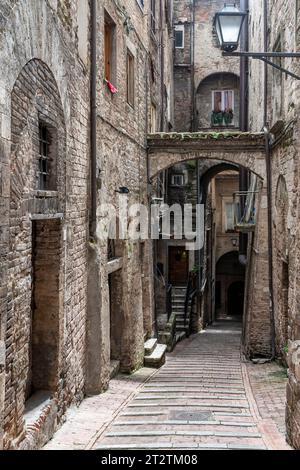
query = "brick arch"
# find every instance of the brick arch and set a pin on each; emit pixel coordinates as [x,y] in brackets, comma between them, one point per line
[244,149]
[36,245]
[35,99]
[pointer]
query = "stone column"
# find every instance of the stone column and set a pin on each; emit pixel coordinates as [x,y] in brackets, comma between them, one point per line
[148,288]
[98,324]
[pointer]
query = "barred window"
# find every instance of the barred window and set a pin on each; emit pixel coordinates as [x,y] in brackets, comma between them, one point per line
[44,156]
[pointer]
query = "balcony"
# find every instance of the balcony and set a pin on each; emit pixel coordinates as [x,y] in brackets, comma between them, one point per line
[245,211]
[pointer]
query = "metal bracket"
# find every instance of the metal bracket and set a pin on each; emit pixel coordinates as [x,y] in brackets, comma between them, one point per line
[263,56]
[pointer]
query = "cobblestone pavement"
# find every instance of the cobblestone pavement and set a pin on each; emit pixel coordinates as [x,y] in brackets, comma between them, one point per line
[201,398]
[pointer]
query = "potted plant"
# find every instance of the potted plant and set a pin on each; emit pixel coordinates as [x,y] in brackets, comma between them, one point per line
[217,118]
[228,116]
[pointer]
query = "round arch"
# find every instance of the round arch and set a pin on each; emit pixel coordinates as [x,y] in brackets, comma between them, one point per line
[215,93]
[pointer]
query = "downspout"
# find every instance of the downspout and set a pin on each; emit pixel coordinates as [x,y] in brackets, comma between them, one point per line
[244,125]
[192,62]
[269,187]
[270,238]
[93,118]
[162,70]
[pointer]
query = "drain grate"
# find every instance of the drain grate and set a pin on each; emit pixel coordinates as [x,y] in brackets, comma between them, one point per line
[192,416]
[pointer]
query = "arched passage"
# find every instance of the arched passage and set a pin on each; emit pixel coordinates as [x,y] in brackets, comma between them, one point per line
[230,278]
[244,149]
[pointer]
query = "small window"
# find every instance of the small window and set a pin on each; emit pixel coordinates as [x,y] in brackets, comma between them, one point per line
[179,36]
[130,79]
[153,119]
[109,48]
[153,16]
[223,101]
[141,3]
[229,217]
[223,108]
[177,180]
[44,157]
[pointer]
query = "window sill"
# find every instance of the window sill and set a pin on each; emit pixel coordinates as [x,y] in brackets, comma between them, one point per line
[45,193]
[35,406]
[114,265]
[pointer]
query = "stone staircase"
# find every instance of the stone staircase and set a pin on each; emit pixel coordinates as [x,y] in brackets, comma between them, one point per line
[178,303]
[155,353]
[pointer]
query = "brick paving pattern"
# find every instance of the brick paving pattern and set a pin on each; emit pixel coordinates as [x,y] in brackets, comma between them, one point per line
[268,382]
[201,398]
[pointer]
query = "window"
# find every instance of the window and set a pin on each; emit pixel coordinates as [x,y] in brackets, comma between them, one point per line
[222,101]
[177,180]
[109,48]
[222,108]
[130,78]
[229,217]
[179,36]
[153,119]
[44,164]
[153,16]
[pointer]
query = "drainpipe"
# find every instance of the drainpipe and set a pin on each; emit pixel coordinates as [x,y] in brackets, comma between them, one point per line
[270,237]
[269,187]
[192,62]
[162,70]
[93,118]
[244,125]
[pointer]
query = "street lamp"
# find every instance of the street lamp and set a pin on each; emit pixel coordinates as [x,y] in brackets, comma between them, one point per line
[228,24]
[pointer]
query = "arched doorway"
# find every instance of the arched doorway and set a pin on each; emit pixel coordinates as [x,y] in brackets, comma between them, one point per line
[230,279]
[235,299]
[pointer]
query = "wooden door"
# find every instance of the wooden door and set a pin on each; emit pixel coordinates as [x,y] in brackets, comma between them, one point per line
[178,265]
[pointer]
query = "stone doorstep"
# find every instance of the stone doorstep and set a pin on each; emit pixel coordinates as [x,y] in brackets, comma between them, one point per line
[149,346]
[157,357]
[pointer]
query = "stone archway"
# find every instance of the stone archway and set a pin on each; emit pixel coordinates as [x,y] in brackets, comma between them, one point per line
[244,149]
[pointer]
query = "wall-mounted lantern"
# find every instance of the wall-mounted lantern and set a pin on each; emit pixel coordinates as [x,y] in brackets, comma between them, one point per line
[228,24]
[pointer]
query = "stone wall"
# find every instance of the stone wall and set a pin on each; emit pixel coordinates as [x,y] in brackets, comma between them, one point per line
[282,105]
[122,162]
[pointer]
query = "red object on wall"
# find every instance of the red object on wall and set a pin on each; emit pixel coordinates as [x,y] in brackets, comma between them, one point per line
[111,87]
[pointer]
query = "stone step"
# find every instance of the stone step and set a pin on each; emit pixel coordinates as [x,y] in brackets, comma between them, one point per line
[189,446]
[150,345]
[180,335]
[140,433]
[147,422]
[157,358]
[114,368]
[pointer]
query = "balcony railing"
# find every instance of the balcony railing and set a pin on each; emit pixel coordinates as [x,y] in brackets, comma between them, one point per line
[245,211]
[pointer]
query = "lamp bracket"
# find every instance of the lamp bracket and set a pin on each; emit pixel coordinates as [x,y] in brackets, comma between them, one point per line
[264,56]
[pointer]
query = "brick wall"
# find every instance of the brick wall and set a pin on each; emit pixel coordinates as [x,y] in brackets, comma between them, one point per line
[54,90]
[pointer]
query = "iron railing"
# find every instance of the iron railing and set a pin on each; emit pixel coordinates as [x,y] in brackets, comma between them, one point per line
[169,300]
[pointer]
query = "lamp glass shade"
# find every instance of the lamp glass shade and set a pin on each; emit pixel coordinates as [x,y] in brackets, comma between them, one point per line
[228,23]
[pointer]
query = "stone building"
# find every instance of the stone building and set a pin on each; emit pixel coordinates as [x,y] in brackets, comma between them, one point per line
[81,84]
[274,102]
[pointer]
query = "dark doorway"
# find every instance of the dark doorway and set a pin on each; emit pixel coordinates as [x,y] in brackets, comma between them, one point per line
[235,298]
[178,265]
[44,328]
[229,290]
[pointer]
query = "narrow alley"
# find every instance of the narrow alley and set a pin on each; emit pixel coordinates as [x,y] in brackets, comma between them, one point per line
[201,398]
